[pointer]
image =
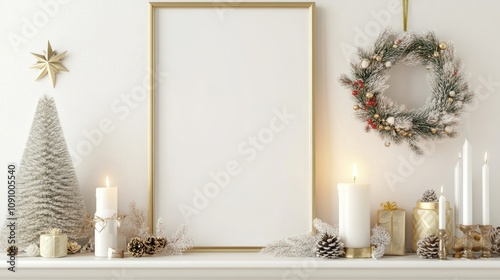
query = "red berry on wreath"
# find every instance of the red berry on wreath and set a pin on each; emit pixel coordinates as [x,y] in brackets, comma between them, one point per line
[369,103]
[355,92]
[370,122]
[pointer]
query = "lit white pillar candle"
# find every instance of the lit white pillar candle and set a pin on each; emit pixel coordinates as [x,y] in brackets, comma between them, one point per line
[106,224]
[486,191]
[467,184]
[442,210]
[458,191]
[342,213]
[354,214]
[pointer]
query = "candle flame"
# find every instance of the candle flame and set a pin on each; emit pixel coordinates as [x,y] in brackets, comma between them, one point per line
[459,156]
[107,182]
[354,172]
[485,157]
[441,189]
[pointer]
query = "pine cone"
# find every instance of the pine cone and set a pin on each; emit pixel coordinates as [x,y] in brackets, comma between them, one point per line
[162,242]
[429,196]
[12,250]
[73,247]
[495,240]
[136,247]
[150,245]
[329,247]
[428,247]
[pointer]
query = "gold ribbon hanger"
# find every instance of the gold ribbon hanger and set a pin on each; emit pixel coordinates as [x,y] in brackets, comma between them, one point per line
[405,14]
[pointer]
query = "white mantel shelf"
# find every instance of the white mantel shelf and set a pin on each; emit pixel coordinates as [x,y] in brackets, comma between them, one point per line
[248,266]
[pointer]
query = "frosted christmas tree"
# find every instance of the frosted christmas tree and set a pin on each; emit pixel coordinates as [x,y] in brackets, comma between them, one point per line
[48,194]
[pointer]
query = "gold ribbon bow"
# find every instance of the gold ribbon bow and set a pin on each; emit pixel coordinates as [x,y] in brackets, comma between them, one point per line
[54,231]
[389,205]
[103,222]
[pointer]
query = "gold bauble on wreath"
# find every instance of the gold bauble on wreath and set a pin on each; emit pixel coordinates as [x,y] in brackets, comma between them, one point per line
[442,46]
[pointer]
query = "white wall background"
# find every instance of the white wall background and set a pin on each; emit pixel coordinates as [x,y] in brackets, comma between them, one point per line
[107,58]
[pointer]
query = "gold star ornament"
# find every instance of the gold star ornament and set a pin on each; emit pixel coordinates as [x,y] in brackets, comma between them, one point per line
[49,63]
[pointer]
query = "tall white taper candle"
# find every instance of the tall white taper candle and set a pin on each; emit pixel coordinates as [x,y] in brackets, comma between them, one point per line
[458,192]
[442,210]
[486,191]
[467,184]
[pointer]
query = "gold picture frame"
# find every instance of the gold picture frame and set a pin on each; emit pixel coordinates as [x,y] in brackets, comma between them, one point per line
[210,29]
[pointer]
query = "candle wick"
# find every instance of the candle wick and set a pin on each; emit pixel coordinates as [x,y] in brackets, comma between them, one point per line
[354,179]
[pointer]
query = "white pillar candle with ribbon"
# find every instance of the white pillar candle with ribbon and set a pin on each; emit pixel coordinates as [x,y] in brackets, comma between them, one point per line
[106,226]
[354,213]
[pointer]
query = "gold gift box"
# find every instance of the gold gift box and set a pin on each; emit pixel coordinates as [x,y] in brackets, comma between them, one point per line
[426,222]
[53,245]
[394,222]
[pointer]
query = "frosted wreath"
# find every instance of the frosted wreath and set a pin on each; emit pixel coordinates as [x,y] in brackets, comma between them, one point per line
[438,118]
